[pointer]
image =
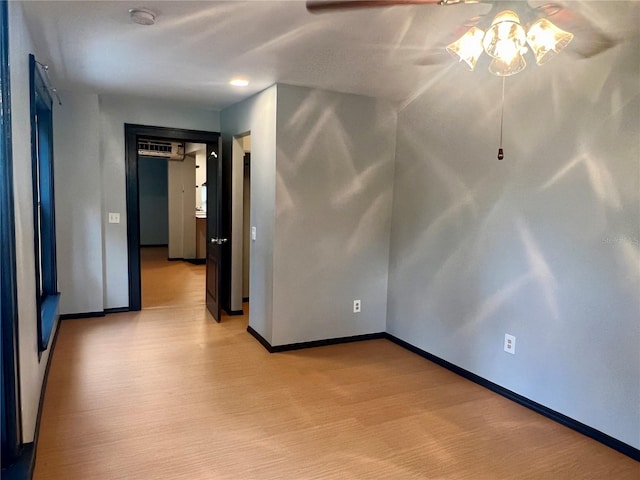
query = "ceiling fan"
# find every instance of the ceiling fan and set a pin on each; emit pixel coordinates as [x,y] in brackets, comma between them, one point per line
[502,35]
[505,33]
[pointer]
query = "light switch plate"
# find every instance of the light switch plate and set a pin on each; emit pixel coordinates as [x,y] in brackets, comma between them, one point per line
[114,217]
[253,233]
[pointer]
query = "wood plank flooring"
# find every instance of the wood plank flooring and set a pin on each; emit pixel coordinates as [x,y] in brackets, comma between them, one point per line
[167,393]
[169,283]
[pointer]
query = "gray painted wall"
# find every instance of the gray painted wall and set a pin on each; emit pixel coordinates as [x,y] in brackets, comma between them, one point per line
[258,116]
[154,201]
[32,366]
[334,165]
[321,204]
[543,245]
[78,203]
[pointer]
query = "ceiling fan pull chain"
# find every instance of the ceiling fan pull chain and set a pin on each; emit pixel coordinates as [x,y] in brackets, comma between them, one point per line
[500,151]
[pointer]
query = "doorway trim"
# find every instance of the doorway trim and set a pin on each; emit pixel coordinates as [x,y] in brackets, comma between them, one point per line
[11,420]
[131,134]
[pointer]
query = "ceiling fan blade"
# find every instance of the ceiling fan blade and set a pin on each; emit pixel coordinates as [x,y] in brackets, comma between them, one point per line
[320,6]
[593,46]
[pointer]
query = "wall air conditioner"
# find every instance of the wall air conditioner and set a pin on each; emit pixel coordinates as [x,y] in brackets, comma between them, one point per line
[162,149]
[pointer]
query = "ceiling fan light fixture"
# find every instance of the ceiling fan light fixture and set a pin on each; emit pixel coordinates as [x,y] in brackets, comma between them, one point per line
[142,16]
[546,40]
[468,47]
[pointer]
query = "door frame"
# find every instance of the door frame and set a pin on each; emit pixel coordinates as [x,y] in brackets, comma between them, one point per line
[11,445]
[131,134]
[215,233]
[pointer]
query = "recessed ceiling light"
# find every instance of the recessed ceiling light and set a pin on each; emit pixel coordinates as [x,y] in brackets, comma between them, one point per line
[142,16]
[239,82]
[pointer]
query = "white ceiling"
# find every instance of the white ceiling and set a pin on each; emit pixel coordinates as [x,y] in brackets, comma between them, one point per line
[195,48]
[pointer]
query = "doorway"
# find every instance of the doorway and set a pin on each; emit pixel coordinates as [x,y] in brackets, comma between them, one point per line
[172,202]
[240,222]
[133,133]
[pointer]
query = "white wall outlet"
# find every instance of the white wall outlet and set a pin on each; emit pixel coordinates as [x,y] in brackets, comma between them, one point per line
[509,344]
[114,217]
[357,306]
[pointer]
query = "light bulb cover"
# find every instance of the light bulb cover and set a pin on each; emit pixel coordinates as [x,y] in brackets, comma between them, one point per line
[468,47]
[505,38]
[500,68]
[546,40]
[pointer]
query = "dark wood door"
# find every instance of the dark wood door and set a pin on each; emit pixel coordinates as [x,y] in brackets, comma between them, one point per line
[214,231]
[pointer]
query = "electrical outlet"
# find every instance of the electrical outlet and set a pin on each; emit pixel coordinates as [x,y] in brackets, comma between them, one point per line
[509,344]
[114,217]
[357,306]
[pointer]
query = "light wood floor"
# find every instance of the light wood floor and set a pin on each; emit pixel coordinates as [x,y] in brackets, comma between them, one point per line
[172,283]
[167,393]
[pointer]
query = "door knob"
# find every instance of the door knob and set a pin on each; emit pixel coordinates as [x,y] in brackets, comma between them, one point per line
[219,241]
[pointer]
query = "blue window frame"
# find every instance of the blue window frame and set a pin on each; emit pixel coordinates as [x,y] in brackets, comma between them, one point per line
[47,296]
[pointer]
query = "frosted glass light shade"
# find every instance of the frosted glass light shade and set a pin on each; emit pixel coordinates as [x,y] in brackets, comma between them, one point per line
[505,38]
[501,68]
[546,40]
[468,47]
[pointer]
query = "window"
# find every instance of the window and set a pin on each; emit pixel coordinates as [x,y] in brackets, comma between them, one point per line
[47,296]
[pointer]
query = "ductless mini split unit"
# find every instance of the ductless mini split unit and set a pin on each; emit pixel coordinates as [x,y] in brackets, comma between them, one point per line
[162,149]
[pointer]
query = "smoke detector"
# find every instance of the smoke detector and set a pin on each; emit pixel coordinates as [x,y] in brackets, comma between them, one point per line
[142,16]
